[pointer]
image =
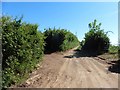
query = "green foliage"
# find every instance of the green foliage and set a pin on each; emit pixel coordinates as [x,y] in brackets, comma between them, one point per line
[96,39]
[119,53]
[22,48]
[59,40]
[113,49]
[82,43]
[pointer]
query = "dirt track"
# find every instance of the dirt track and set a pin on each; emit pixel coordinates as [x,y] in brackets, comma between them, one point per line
[67,71]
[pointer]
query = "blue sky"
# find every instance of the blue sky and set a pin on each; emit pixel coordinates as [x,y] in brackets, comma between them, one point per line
[73,16]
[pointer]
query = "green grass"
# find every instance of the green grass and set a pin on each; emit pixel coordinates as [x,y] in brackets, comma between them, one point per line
[112,53]
[113,49]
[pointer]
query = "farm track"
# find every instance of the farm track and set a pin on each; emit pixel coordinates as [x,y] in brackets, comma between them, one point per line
[67,71]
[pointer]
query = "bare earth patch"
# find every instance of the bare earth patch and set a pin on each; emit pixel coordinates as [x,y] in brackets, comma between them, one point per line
[58,71]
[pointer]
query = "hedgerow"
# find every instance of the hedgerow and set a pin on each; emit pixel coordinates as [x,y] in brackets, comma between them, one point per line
[22,48]
[59,40]
[96,40]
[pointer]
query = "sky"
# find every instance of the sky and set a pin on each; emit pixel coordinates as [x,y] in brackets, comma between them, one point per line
[73,16]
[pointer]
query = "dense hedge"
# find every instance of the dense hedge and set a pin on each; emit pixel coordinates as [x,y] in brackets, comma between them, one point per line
[96,40]
[22,48]
[59,40]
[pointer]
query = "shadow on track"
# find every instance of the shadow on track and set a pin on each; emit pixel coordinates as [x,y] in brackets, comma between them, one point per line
[81,53]
[114,65]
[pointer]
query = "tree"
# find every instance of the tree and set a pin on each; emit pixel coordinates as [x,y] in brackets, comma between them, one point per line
[96,39]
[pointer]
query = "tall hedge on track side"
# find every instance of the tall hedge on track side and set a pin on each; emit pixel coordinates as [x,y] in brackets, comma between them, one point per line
[22,48]
[59,40]
[96,40]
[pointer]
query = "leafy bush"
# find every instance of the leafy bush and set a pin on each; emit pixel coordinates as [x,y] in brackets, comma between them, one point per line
[96,39]
[113,49]
[59,40]
[119,54]
[22,48]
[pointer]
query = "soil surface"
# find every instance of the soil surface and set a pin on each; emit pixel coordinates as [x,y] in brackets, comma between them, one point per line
[66,70]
